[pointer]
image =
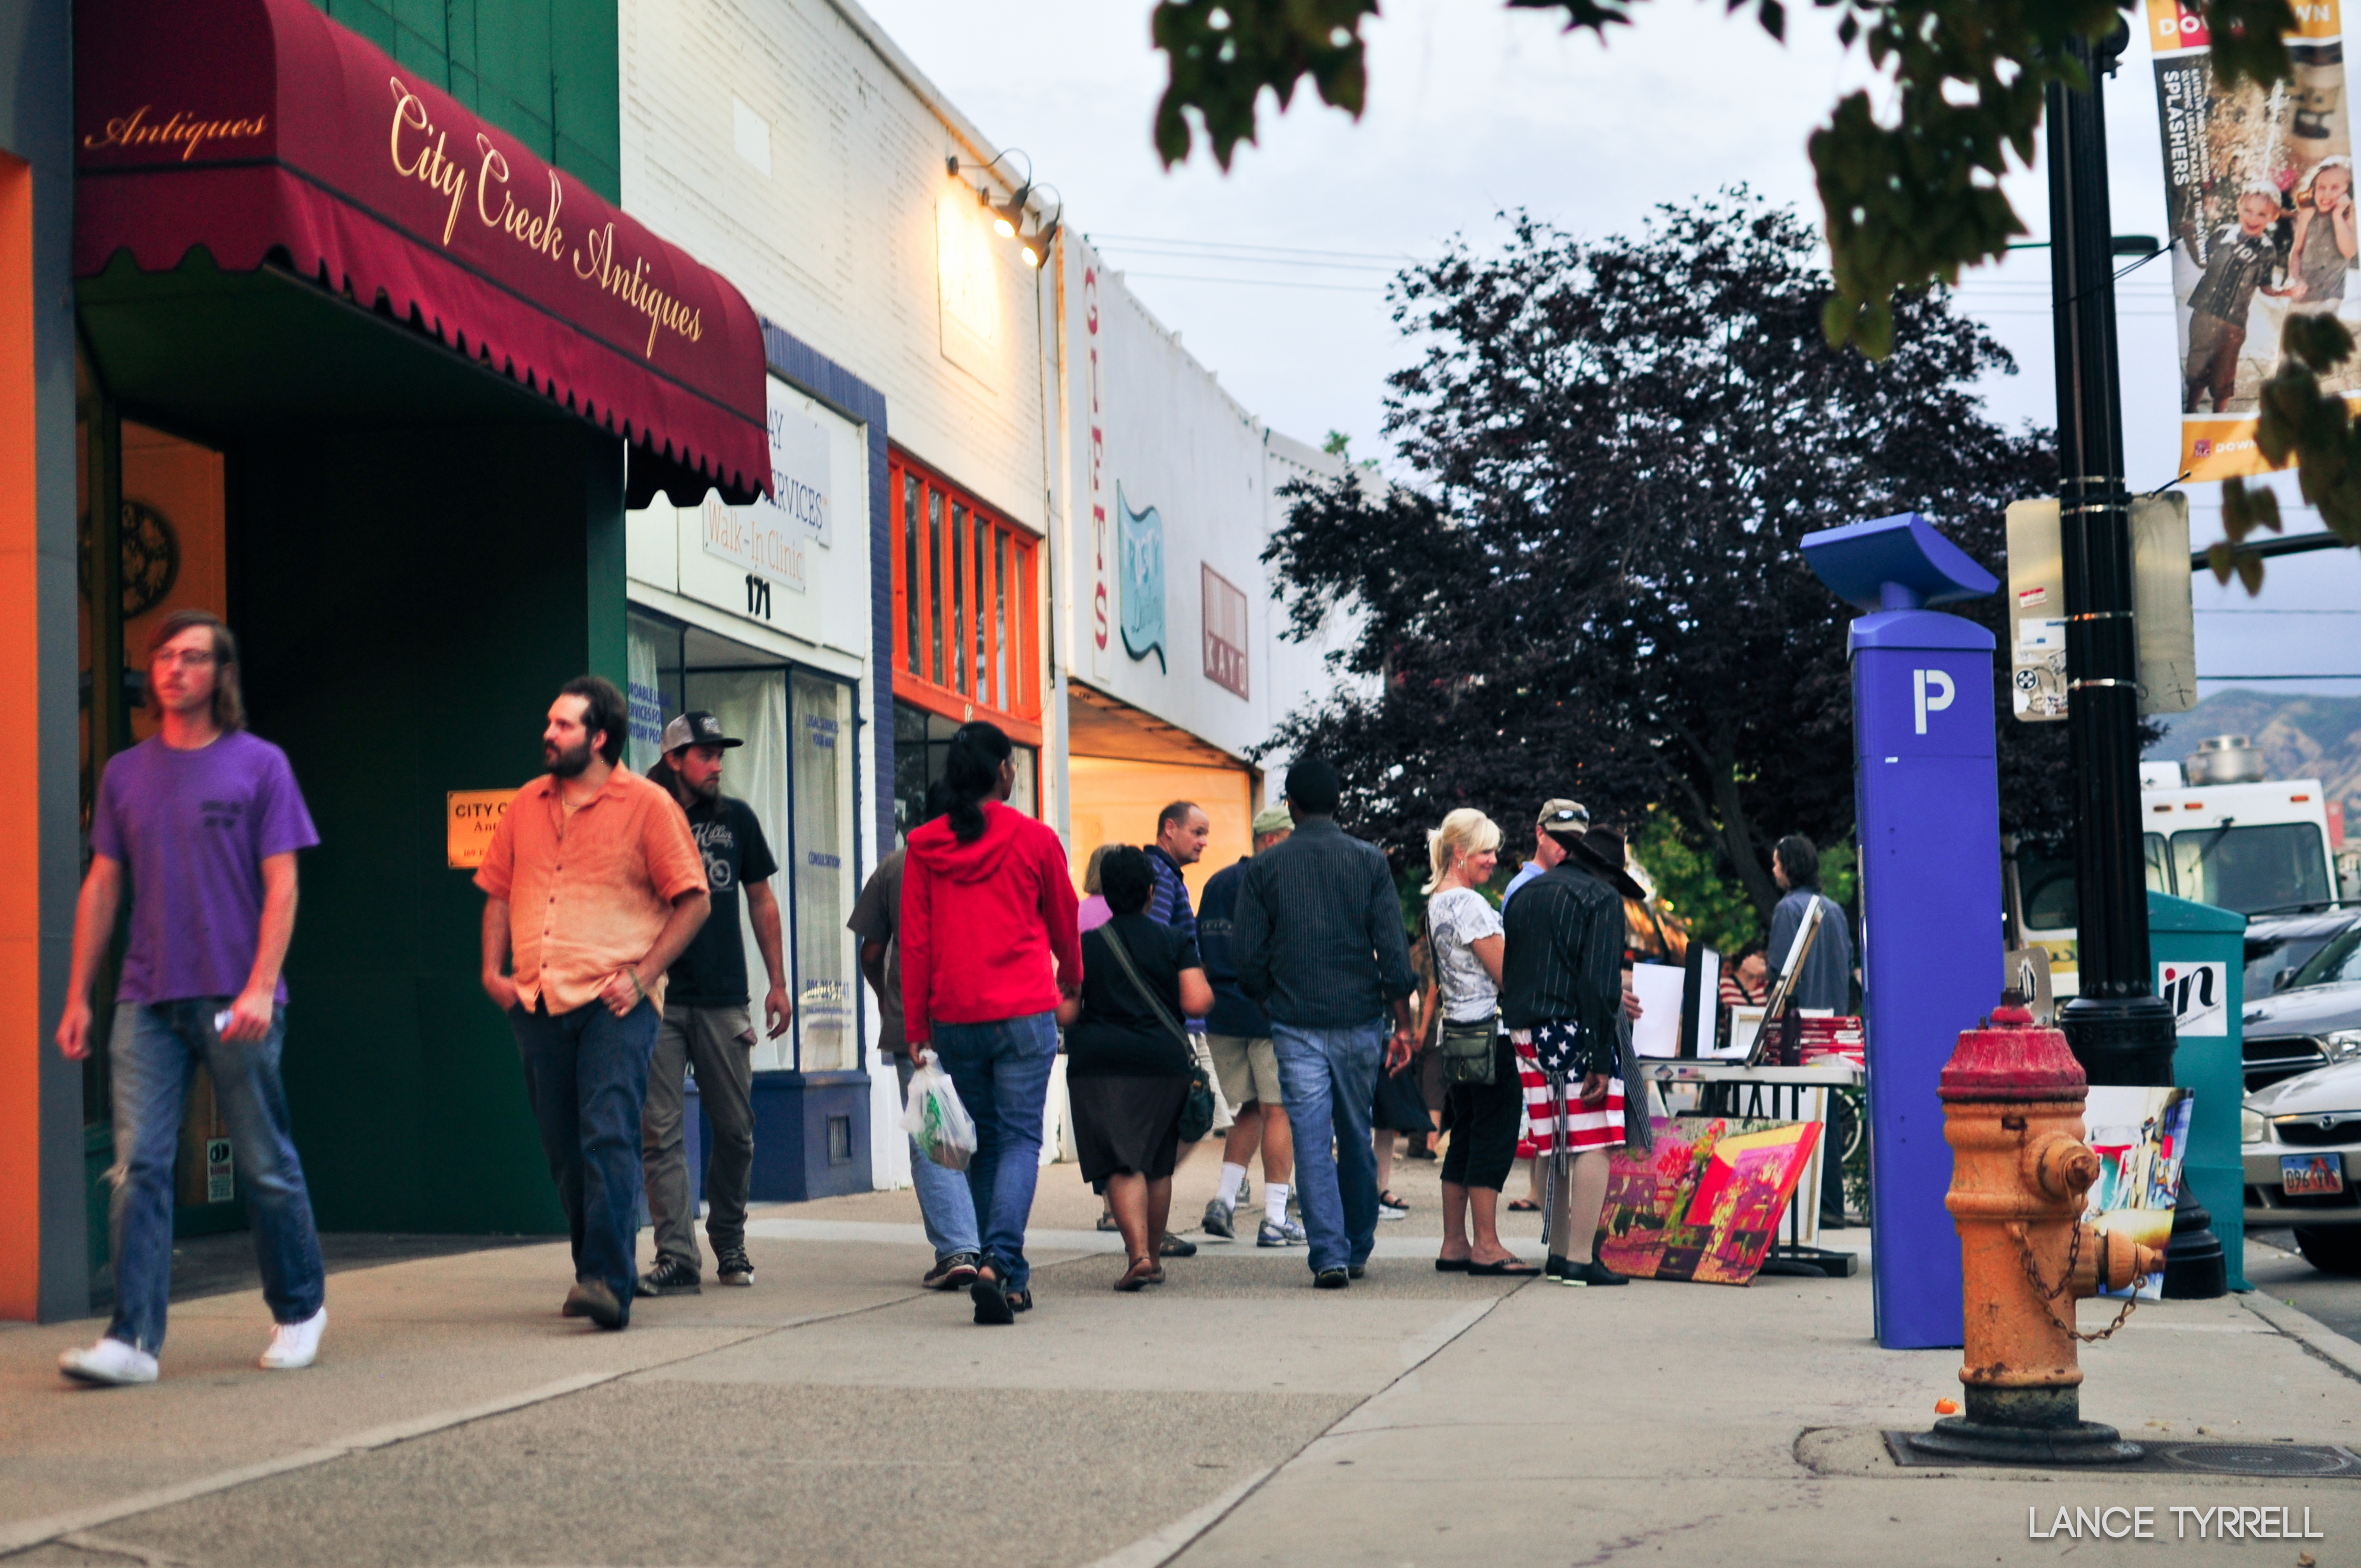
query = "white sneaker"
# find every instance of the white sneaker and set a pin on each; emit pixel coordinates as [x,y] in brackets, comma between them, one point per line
[295,1344]
[109,1362]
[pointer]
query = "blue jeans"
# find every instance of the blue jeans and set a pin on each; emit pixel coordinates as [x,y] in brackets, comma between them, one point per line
[945,1205]
[586,1073]
[1002,1072]
[154,1048]
[1329,1080]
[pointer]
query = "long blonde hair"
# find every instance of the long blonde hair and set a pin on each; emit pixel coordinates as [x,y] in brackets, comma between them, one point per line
[1467,830]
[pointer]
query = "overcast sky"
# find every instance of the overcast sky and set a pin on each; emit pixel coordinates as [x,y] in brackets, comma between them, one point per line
[1474,109]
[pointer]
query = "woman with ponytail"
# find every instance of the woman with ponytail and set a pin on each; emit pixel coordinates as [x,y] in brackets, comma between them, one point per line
[988,948]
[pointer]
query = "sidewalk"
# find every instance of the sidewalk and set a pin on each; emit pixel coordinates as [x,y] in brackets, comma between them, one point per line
[837,1414]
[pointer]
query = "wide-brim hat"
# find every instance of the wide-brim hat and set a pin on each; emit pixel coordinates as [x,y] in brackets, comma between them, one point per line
[1603,851]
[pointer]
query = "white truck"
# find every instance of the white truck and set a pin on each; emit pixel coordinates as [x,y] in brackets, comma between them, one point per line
[2215,830]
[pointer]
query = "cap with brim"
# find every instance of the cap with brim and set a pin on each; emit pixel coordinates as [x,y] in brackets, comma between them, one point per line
[1563,816]
[1273,819]
[694,727]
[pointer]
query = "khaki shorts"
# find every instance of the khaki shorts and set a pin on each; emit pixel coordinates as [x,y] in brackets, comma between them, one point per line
[1248,1068]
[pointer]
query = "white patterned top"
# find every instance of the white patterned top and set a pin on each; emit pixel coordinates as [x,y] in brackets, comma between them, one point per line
[1458,918]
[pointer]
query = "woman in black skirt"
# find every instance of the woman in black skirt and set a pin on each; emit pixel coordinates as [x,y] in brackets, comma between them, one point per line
[1128,1059]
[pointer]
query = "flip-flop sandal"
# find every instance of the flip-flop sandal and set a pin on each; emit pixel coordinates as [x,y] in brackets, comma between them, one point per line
[1523,1206]
[1137,1275]
[1509,1267]
[1450,1265]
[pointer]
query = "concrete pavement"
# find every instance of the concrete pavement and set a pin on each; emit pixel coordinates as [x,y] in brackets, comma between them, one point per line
[835,1413]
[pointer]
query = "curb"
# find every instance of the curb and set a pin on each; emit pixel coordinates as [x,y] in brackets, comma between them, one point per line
[2306,1329]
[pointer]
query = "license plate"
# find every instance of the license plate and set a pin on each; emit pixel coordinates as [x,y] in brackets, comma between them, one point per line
[2306,1175]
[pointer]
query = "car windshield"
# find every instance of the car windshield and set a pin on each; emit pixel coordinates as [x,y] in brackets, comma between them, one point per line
[2278,865]
[2268,957]
[2341,959]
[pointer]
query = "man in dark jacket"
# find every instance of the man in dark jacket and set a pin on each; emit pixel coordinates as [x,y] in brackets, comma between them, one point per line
[1238,1036]
[1561,986]
[1318,940]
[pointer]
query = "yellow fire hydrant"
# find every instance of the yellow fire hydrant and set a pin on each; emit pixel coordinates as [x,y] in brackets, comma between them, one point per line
[2013,1097]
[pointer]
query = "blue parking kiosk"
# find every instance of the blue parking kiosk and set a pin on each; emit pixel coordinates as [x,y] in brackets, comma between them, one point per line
[1926,800]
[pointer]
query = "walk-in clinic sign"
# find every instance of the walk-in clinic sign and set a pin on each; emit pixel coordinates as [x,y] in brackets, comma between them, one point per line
[469,816]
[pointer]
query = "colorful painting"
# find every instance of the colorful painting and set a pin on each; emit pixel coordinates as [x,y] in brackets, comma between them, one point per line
[2140,1137]
[1707,1205]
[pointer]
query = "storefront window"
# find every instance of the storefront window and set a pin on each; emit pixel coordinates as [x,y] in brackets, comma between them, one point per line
[797,770]
[655,688]
[966,617]
[825,757]
[922,741]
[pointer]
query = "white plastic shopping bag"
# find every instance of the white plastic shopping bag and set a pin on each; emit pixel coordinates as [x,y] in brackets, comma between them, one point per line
[943,1130]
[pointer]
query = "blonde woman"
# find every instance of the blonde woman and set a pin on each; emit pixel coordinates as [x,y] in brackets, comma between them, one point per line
[1484,1099]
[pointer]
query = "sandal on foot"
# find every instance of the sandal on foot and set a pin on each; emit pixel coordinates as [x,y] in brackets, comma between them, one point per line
[1020,1300]
[1509,1266]
[1137,1275]
[991,1299]
[1450,1265]
[1523,1206]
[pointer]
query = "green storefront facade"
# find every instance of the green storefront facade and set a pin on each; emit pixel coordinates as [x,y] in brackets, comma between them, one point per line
[410,504]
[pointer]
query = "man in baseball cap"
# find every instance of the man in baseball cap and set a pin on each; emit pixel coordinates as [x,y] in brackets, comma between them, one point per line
[1560,820]
[708,1026]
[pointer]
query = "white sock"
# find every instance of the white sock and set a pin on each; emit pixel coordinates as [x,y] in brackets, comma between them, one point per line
[1232,1176]
[1274,1201]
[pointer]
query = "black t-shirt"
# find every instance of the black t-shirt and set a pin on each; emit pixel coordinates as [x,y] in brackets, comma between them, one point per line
[712,972]
[1118,1034]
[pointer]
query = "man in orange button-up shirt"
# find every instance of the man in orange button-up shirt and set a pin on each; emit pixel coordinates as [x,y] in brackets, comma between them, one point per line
[593,885]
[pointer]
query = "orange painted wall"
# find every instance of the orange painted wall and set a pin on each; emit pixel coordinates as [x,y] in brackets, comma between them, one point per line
[20,861]
[1116,802]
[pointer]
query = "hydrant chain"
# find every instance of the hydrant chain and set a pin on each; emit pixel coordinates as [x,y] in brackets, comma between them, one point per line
[2049,1294]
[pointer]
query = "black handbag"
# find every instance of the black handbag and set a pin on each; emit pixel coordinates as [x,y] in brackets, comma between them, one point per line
[1470,1051]
[1197,1112]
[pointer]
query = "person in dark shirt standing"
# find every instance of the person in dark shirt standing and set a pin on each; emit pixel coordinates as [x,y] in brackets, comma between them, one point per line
[1237,1032]
[2240,261]
[708,1026]
[1561,986]
[1318,940]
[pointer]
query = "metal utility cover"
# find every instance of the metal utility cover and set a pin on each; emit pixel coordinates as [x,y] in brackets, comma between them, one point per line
[2161,602]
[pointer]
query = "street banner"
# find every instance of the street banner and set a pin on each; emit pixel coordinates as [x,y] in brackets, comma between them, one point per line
[2258,199]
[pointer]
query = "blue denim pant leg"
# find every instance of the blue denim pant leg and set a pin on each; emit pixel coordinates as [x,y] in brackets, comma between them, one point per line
[253,1102]
[586,1072]
[1002,1072]
[154,1049]
[1329,1080]
[946,1207]
[149,1064]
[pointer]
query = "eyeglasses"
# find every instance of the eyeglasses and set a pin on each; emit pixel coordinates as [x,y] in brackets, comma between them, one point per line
[187,658]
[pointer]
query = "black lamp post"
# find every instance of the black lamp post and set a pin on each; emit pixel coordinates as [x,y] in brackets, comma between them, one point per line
[2119,1029]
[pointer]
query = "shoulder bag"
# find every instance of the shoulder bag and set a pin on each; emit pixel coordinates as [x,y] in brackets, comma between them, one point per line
[1470,1051]
[1197,1112]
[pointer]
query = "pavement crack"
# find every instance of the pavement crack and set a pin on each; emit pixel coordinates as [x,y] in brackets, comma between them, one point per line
[82,1541]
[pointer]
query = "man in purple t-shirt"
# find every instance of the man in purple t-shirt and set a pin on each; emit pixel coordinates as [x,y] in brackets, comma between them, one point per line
[206,821]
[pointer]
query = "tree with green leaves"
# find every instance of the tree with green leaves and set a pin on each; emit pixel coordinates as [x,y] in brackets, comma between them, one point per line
[1593,586]
[1908,199]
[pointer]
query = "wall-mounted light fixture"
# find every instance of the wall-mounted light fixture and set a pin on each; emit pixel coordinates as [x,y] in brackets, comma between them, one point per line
[1008,217]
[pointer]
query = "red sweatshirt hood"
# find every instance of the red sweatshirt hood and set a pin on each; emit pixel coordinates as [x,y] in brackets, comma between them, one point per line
[935,847]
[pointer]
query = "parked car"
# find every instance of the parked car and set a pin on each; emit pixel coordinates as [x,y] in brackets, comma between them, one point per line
[2278,945]
[2300,1146]
[2314,1020]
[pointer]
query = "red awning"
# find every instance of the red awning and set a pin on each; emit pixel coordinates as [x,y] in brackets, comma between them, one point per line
[258,127]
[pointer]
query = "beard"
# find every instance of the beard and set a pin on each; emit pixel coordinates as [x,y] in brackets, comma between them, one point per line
[570,763]
[709,790]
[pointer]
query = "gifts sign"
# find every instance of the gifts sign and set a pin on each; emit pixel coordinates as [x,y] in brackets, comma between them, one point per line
[2258,196]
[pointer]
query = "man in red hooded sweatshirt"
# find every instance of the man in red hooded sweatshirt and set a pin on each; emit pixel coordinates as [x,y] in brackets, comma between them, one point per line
[988,943]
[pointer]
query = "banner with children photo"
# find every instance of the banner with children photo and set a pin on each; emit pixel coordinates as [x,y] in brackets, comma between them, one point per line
[2258,197]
